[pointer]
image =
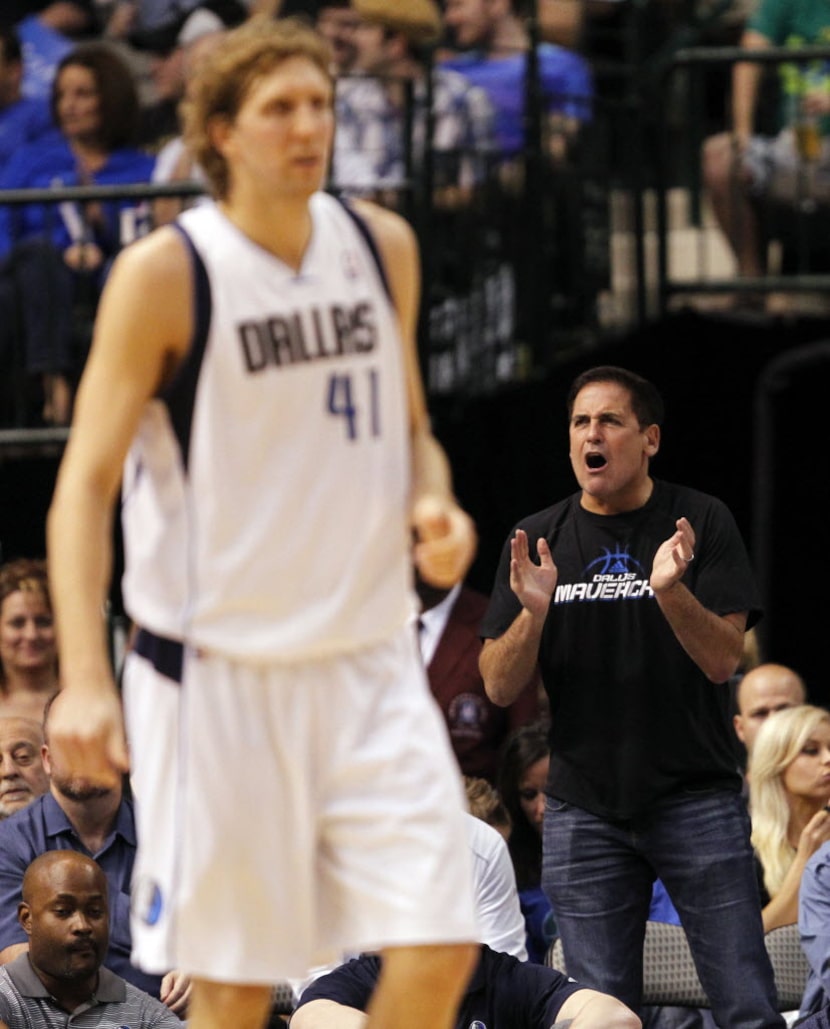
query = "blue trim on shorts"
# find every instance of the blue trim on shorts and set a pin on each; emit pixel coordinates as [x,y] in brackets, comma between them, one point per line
[165,655]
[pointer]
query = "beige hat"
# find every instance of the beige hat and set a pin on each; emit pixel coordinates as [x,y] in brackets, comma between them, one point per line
[419,20]
[201,22]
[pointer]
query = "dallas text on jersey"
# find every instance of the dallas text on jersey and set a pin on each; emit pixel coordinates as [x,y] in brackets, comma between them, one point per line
[315,334]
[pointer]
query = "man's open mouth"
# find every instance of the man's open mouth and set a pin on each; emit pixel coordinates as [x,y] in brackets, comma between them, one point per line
[595,461]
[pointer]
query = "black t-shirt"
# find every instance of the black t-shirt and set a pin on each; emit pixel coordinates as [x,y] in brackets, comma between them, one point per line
[504,993]
[633,718]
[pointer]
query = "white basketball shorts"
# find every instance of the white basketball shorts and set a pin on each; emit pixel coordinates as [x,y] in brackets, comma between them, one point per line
[289,813]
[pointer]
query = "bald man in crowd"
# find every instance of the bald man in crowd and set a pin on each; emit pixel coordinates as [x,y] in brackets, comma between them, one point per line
[761,692]
[65,914]
[22,775]
[74,814]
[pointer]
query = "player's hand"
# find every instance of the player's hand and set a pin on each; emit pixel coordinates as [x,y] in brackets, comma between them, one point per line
[445,540]
[86,734]
[673,557]
[175,992]
[533,584]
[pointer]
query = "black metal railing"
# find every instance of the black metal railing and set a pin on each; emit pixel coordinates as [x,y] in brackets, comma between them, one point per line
[794,225]
[515,274]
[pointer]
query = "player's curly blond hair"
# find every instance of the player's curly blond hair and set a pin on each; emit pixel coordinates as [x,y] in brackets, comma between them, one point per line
[222,82]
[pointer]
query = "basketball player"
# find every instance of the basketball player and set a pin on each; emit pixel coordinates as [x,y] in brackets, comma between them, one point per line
[295,788]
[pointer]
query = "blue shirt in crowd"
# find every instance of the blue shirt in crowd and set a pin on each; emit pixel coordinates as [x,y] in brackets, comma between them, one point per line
[43,826]
[51,163]
[565,80]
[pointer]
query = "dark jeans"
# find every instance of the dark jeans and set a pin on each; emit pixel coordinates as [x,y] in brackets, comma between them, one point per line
[598,876]
[47,292]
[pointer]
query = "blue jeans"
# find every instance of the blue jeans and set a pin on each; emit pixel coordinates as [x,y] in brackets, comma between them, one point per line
[599,874]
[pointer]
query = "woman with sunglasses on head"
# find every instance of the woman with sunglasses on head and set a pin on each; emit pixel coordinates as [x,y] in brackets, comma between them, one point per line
[789,798]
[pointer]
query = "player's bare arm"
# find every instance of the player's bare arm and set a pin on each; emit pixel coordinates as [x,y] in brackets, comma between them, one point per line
[508,663]
[714,642]
[446,534]
[142,328]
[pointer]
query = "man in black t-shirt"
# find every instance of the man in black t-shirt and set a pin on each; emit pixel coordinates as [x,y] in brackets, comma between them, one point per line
[633,596]
[503,993]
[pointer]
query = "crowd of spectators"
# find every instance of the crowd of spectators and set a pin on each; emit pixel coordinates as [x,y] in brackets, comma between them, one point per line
[43,808]
[401,101]
[89,96]
[430,91]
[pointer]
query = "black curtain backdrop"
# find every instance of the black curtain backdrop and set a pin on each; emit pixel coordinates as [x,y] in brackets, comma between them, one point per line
[510,457]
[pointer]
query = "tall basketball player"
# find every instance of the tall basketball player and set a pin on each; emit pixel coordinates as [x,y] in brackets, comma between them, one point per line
[254,365]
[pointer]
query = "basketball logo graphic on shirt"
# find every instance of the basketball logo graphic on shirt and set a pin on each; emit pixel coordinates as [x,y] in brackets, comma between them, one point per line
[614,575]
[616,562]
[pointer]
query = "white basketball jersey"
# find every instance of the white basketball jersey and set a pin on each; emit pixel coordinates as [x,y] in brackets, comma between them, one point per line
[265,500]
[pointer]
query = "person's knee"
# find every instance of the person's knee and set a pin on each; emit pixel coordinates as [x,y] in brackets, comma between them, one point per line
[718,161]
[223,1004]
[433,970]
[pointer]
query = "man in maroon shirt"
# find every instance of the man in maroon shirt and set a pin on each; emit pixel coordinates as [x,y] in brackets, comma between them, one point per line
[450,646]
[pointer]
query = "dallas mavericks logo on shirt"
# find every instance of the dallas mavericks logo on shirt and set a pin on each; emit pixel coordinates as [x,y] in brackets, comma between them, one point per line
[614,575]
[477,1025]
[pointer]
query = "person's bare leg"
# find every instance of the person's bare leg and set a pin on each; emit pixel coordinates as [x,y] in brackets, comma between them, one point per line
[731,204]
[421,986]
[222,1005]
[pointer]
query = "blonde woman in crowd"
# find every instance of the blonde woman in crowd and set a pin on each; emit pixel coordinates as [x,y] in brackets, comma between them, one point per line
[790,803]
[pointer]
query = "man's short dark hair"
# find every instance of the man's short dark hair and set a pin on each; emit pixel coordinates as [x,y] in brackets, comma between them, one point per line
[646,402]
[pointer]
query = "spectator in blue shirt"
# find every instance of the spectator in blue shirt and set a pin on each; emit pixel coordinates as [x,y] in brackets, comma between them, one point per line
[46,29]
[373,155]
[92,820]
[494,41]
[61,250]
[814,929]
[23,119]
